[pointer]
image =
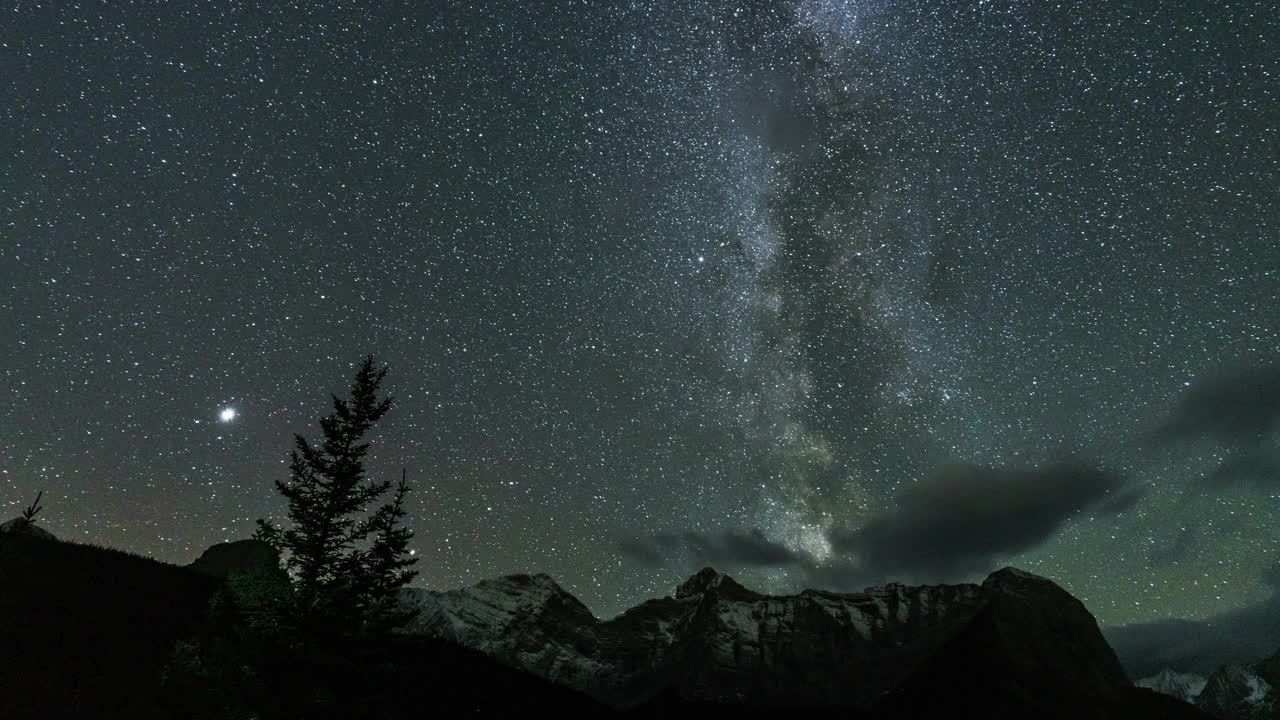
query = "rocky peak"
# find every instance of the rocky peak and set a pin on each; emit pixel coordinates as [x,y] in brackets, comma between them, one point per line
[537,588]
[1066,644]
[1184,686]
[520,598]
[1237,692]
[1012,581]
[699,583]
[706,580]
[238,556]
[537,581]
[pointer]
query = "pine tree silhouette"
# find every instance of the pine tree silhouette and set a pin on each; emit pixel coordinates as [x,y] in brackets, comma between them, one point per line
[30,513]
[348,563]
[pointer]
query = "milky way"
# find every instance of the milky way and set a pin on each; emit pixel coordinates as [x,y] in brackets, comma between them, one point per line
[762,284]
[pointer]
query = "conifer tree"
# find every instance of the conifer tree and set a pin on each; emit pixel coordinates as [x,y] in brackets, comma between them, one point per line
[347,562]
[30,513]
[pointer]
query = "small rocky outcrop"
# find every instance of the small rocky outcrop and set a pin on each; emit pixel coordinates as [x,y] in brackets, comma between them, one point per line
[238,556]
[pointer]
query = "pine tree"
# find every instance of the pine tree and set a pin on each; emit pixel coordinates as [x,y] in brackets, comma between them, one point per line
[30,513]
[347,562]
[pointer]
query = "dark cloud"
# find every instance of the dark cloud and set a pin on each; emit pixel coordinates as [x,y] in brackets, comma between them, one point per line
[1239,636]
[1122,501]
[746,549]
[733,548]
[1183,544]
[1238,409]
[839,574]
[1230,406]
[1243,636]
[1271,576]
[960,522]
[1259,467]
[752,548]
[646,551]
[966,517]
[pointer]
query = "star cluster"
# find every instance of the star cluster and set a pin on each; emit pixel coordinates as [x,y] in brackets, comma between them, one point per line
[645,269]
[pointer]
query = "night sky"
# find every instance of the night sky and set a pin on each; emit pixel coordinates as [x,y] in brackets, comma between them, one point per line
[821,292]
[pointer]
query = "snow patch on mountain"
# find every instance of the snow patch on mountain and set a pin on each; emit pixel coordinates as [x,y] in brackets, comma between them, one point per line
[1184,686]
[1258,690]
[1237,692]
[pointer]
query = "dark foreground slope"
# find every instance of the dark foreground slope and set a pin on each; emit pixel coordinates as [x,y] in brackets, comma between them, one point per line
[84,629]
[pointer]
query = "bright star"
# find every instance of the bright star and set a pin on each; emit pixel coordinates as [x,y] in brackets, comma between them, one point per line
[227,414]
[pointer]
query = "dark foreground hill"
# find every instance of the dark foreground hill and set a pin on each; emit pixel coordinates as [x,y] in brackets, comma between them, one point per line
[84,629]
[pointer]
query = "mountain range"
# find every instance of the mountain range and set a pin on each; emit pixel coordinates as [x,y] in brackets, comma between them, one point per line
[1015,642]
[86,629]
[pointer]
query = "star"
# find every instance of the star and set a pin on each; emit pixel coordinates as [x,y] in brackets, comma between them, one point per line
[744,266]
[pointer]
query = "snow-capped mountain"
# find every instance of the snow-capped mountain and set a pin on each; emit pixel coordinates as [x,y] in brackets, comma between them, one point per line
[1232,692]
[716,641]
[1184,686]
[1240,692]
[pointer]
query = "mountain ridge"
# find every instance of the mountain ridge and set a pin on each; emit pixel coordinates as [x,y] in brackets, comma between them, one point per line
[715,641]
